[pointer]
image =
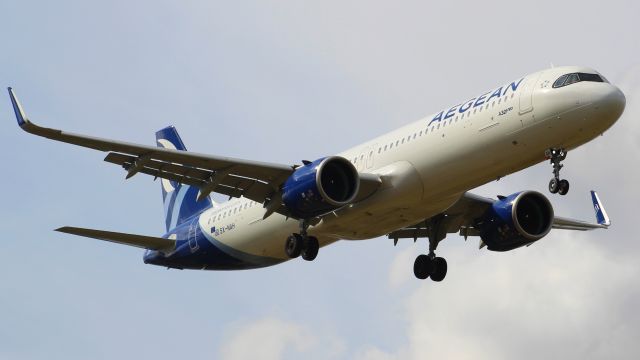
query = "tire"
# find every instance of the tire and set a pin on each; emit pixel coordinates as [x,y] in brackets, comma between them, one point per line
[563,187]
[440,269]
[554,186]
[310,250]
[293,246]
[422,267]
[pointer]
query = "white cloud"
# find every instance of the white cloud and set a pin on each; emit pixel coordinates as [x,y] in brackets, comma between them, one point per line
[267,339]
[401,266]
[272,338]
[553,300]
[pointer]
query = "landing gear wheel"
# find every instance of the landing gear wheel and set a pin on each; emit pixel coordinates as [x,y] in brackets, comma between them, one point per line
[293,245]
[310,249]
[563,187]
[440,269]
[554,186]
[556,156]
[422,267]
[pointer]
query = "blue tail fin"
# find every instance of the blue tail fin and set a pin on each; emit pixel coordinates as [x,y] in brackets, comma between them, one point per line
[179,200]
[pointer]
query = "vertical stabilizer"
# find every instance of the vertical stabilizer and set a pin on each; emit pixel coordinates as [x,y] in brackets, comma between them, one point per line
[179,200]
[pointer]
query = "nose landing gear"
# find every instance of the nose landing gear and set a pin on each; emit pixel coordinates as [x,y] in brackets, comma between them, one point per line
[556,185]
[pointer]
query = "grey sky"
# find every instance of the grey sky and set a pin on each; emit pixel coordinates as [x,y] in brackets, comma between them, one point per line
[284,81]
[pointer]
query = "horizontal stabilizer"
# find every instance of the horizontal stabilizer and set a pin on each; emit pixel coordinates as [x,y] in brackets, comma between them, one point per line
[141,241]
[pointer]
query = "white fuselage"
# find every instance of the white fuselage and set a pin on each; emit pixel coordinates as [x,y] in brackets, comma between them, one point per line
[427,165]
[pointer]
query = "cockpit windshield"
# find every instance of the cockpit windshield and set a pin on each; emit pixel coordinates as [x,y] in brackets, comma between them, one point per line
[568,79]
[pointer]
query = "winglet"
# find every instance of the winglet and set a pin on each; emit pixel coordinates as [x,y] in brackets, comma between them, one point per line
[601,213]
[17,108]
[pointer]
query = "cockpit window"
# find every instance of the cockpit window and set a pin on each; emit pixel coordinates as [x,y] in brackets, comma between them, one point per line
[590,77]
[568,79]
[560,81]
[573,78]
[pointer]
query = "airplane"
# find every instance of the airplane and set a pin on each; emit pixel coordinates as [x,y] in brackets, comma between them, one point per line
[410,183]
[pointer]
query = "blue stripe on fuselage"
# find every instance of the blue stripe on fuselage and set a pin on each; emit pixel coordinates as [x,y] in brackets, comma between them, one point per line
[211,254]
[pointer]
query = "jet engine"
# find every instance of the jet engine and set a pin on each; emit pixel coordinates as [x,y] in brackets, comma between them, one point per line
[320,186]
[516,220]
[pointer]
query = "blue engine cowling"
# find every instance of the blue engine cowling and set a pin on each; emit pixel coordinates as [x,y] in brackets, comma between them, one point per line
[517,220]
[321,186]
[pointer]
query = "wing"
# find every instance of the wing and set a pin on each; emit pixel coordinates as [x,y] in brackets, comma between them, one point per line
[601,216]
[257,181]
[461,218]
[141,241]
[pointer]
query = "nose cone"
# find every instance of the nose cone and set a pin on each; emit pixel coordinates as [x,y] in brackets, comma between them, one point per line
[610,101]
[615,101]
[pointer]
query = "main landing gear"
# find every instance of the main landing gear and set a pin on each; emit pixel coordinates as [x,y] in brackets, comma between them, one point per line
[556,185]
[302,244]
[429,265]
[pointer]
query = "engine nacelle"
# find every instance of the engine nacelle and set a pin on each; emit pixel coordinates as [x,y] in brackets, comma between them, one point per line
[517,220]
[321,186]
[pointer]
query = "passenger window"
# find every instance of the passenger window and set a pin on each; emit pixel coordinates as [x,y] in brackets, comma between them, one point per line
[397,142]
[438,126]
[379,150]
[402,141]
[420,133]
[385,148]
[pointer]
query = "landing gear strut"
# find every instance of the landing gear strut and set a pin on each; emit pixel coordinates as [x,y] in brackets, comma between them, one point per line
[556,185]
[302,244]
[429,265]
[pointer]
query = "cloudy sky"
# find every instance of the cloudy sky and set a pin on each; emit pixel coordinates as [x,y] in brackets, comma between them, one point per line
[283,81]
